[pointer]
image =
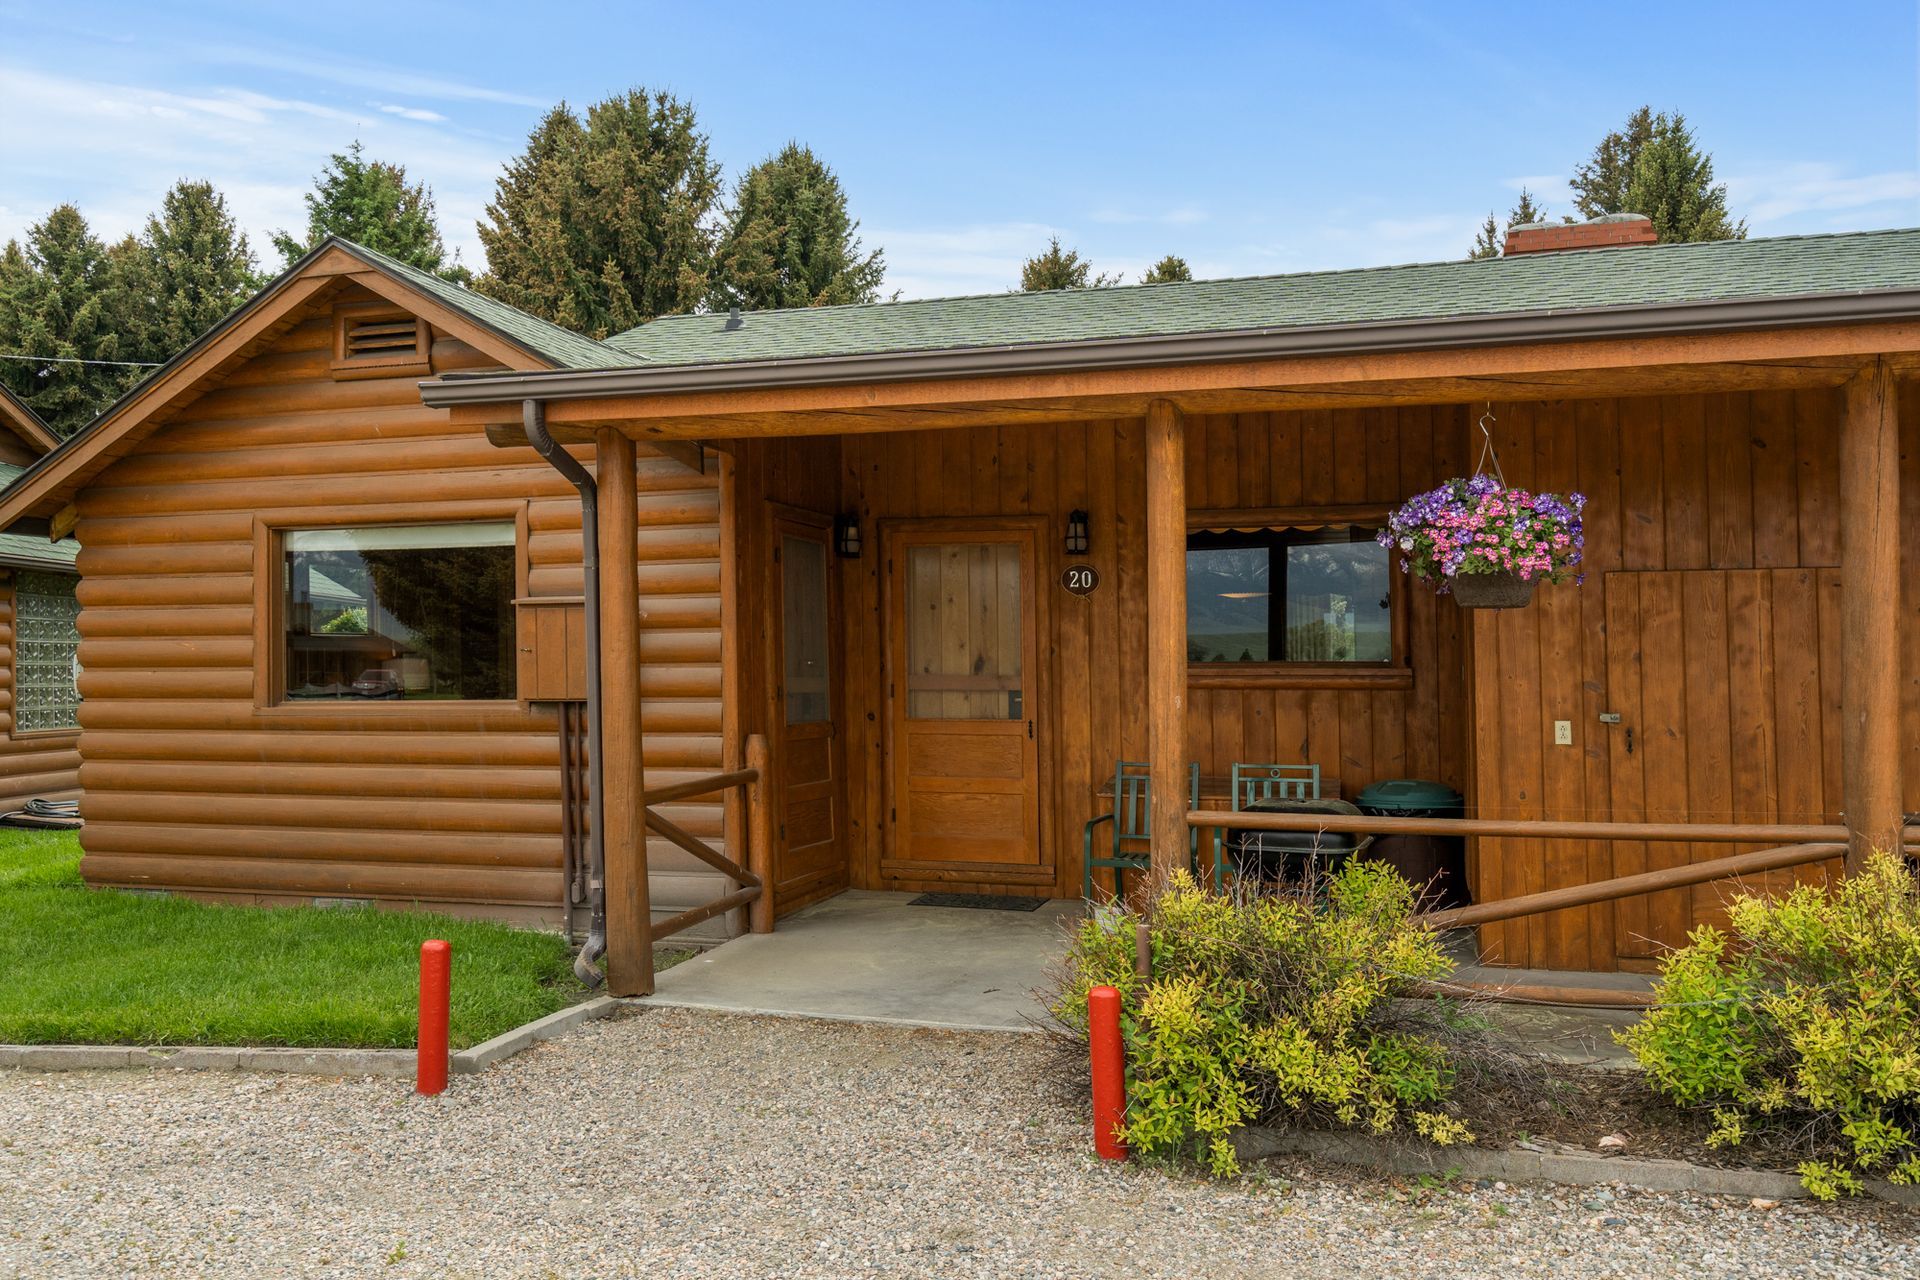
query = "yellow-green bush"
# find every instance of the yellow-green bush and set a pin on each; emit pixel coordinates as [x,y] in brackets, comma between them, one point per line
[1807,1013]
[1269,1008]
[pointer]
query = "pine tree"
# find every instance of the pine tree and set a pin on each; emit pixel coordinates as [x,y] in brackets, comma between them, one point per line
[1673,185]
[1059,268]
[1600,185]
[371,203]
[65,297]
[789,241]
[606,222]
[1654,166]
[1169,270]
[1491,241]
[198,267]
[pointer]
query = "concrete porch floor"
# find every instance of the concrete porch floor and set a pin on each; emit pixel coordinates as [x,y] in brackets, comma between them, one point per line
[869,957]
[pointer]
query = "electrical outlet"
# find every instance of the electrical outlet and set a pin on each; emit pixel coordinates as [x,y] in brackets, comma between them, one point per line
[1563,733]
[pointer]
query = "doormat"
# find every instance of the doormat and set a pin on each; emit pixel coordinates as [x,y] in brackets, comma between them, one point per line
[977,901]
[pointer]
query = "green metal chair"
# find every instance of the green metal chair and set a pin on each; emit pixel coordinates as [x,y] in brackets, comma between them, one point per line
[1132,834]
[1254,783]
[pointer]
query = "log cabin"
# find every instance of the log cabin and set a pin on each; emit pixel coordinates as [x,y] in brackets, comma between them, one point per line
[39,704]
[877,596]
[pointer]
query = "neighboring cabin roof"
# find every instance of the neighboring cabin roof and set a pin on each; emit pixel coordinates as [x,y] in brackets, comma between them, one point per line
[31,551]
[1543,283]
[18,417]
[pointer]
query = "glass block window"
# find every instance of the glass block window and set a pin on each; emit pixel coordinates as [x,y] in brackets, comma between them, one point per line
[46,652]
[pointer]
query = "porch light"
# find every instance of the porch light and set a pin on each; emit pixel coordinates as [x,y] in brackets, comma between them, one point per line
[1077,533]
[846,536]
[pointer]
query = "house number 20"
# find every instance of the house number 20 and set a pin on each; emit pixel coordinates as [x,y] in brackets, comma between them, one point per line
[1080,579]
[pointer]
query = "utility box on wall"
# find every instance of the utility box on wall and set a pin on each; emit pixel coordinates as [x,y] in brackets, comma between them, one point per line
[552,636]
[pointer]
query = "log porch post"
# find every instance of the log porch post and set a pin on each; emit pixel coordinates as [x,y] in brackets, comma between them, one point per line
[1167,638]
[1870,613]
[629,913]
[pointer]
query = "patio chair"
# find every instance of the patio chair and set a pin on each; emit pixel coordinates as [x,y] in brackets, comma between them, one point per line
[1132,833]
[1255,783]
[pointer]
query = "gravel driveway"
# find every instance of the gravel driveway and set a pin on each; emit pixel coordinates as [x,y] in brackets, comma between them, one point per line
[684,1143]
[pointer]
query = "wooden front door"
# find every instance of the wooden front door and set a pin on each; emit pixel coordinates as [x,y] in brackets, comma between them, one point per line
[964,701]
[1726,683]
[808,859]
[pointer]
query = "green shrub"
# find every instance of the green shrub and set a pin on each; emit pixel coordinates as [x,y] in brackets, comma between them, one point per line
[1266,1009]
[1807,1013]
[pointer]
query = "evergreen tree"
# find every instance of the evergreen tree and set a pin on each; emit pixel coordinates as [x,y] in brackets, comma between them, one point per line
[1600,185]
[789,241]
[198,267]
[1168,270]
[606,222]
[65,297]
[371,203]
[1673,185]
[1059,268]
[1491,241]
[1654,166]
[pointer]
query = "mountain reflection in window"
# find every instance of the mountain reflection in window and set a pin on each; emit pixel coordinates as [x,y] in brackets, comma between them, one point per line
[1289,595]
[407,612]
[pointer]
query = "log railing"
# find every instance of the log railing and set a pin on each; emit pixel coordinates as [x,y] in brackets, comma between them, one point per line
[1795,845]
[752,878]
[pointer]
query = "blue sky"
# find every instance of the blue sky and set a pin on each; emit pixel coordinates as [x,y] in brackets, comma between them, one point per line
[1247,138]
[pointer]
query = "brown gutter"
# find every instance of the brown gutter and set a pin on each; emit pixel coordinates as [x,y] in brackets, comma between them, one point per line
[1223,346]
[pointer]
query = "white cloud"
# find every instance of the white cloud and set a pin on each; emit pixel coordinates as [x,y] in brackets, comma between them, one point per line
[114,148]
[944,262]
[389,80]
[410,113]
[1818,188]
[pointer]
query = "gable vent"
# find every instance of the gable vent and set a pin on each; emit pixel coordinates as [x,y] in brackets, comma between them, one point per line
[377,340]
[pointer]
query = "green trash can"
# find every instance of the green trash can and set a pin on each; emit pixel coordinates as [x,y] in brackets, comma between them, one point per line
[1436,865]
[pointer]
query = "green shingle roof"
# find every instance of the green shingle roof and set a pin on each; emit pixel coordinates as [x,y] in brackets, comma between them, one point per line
[565,348]
[1644,275]
[32,549]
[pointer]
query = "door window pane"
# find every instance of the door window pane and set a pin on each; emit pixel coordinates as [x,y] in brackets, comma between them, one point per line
[422,612]
[1289,595]
[804,639]
[964,634]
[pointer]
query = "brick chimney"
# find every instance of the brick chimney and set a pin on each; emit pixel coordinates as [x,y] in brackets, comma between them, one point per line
[1608,229]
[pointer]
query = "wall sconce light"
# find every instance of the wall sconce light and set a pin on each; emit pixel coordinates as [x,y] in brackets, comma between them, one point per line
[1077,533]
[846,536]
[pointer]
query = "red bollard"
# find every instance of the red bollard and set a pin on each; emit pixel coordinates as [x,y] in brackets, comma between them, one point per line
[1109,1072]
[436,987]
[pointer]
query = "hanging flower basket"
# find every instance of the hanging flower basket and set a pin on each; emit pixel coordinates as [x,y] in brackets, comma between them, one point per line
[1486,544]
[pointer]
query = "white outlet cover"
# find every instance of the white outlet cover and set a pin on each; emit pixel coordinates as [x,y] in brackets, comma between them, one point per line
[1563,733]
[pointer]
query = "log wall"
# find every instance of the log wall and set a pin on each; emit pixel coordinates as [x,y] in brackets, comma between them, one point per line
[193,785]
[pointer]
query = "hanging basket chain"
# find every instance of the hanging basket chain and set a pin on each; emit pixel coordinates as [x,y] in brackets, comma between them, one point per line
[1487,452]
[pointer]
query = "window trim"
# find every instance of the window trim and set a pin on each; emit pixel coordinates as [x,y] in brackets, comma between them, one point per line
[269,613]
[1395,673]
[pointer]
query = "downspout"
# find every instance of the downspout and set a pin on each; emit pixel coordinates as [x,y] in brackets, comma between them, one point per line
[534,417]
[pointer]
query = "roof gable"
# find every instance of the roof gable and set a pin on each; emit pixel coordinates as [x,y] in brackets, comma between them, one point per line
[17,417]
[518,341]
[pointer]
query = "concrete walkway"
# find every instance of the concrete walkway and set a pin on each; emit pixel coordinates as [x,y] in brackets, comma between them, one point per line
[869,957]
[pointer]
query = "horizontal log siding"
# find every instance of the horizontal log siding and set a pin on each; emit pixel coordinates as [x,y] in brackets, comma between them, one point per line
[35,765]
[191,787]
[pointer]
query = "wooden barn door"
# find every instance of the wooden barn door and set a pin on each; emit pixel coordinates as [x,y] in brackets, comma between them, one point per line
[807,855]
[963,665]
[1726,683]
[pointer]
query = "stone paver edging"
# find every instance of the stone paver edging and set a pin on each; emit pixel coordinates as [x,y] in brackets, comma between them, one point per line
[393,1063]
[1540,1164]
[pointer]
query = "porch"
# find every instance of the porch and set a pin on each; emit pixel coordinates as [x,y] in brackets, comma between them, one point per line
[1717,667]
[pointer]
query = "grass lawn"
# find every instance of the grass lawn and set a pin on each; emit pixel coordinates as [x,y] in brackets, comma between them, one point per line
[81,966]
